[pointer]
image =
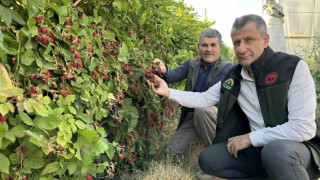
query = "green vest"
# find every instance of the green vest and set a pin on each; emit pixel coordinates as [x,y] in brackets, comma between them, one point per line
[193,72]
[273,73]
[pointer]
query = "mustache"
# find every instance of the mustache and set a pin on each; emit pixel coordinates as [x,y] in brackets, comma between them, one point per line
[244,54]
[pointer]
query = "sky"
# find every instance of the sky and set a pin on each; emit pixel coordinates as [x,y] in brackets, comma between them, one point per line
[224,13]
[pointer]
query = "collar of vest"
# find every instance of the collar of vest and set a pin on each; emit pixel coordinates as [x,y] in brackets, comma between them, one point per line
[263,59]
[197,61]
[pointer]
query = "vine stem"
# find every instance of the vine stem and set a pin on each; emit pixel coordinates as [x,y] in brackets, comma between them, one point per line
[47,160]
[18,55]
[76,3]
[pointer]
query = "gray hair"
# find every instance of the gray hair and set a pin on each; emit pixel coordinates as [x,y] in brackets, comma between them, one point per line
[240,22]
[210,33]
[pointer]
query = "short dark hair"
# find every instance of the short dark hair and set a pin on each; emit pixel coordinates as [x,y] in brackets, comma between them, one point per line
[210,33]
[240,22]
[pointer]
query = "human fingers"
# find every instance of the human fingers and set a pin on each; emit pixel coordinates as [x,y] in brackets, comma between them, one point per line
[229,147]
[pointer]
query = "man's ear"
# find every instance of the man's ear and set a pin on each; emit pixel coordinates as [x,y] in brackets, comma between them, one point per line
[266,39]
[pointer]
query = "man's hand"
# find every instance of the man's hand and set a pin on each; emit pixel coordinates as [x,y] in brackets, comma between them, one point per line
[238,143]
[171,108]
[163,69]
[162,87]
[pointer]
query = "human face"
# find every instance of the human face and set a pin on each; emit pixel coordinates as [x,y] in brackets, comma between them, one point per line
[209,49]
[248,44]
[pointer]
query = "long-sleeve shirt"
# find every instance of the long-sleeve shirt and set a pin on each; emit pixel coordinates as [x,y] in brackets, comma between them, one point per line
[301,125]
[181,72]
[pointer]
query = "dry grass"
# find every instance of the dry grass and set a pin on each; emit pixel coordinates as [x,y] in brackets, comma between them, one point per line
[167,171]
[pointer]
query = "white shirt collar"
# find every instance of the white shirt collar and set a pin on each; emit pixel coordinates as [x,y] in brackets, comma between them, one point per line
[245,74]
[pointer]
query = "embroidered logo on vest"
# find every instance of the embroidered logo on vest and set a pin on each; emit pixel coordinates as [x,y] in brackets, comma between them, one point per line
[228,83]
[271,78]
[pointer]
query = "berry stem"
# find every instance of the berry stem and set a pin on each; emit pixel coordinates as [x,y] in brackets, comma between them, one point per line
[76,3]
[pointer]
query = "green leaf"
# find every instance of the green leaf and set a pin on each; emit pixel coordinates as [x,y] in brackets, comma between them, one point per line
[14,158]
[49,66]
[39,107]
[28,107]
[10,107]
[111,97]
[48,57]
[69,99]
[3,99]
[61,141]
[17,18]
[30,32]
[104,96]
[100,147]
[72,167]
[46,100]
[63,11]
[39,62]
[27,58]
[153,132]
[33,162]
[5,15]
[10,44]
[3,130]
[17,131]
[25,118]
[72,110]
[6,2]
[35,138]
[120,5]
[85,20]
[85,117]
[48,123]
[54,7]
[111,151]
[67,53]
[58,111]
[52,167]
[5,163]
[34,6]
[108,35]
[3,109]
[90,135]
[129,109]
[1,38]
[99,114]
[73,32]
[31,22]
[123,51]
[5,82]
[50,13]
[14,91]
[80,124]
[133,124]
[152,149]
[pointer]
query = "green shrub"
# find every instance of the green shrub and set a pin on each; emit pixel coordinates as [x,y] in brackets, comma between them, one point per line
[74,103]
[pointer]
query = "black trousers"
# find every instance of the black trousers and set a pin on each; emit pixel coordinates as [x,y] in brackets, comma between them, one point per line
[279,160]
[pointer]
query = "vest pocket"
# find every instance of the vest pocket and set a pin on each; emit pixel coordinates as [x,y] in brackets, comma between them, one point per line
[273,103]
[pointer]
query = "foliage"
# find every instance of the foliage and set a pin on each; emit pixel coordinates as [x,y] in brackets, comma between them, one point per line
[73,102]
[312,56]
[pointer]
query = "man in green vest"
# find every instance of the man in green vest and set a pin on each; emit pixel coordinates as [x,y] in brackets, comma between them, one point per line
[266,124]
[197,125]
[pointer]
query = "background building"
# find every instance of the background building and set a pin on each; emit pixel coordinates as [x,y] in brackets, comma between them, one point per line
[301,23]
